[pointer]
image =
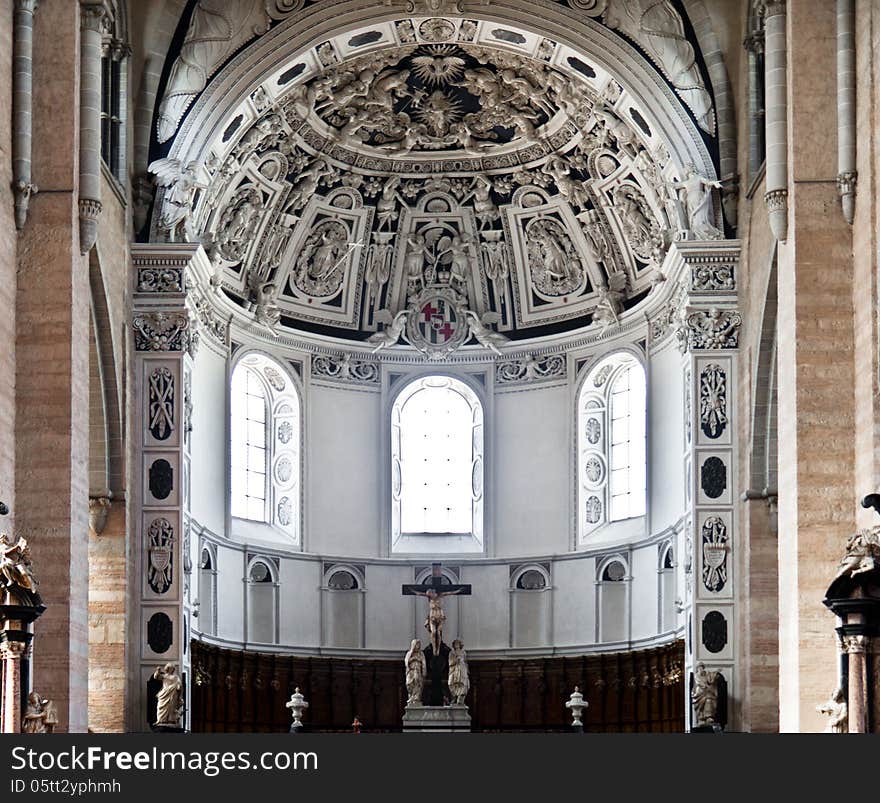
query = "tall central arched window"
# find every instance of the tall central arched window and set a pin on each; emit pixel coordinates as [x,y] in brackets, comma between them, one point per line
[437,464]
[612,467]
[264,426]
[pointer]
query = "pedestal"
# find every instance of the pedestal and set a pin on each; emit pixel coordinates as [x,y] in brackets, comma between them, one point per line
[436,719]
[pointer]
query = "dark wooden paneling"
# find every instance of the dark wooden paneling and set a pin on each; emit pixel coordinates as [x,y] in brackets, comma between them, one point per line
[243,692]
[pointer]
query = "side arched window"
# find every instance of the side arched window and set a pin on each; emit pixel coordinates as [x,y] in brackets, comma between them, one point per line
[265,444]
[612,466]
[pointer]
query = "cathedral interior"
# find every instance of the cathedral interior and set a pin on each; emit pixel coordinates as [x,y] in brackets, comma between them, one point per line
[539,318]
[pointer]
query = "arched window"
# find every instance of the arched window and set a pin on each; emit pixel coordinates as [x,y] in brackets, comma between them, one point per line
[437,466]
[754,45]
[668,613]
[115,52]
[264,444]
[611,415]
[628,442]
[613,602]
[207,591]
[262,601]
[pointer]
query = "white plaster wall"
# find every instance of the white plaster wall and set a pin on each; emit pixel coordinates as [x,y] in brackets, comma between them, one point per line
[299,622]
[486,623]
[665,438]
[344,472]
[389,617]
[644,592]
[230,594]
[208,464]
[574,601]
[532,466]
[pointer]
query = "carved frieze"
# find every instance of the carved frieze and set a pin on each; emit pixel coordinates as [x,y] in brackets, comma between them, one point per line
[161,403]
[345,368]
[713,401]
[530,368]
[160,280]
[161,554]
[708,329]
[713,277]
[160,331]
[715,547]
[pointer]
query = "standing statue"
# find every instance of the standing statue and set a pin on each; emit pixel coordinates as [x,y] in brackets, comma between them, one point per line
[705,695]
[415,672]
[40,716]
[459,682]
[266,311]
[180,183]
[169,703]
[836,709]
[697,192]
[15,565]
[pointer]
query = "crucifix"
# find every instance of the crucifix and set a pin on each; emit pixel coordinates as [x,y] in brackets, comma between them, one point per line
[436,652]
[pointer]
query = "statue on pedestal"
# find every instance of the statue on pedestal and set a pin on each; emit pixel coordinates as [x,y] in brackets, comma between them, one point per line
[836,709]
[169,705]
[415,672]
[458,682]
[705,696]
[40,716]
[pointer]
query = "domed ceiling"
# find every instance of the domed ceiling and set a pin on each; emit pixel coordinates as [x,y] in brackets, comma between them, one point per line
[440,180]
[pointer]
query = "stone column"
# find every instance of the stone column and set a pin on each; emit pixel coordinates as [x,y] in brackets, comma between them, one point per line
[165,339]
[857,694]
[94,17]
[52,372]
[22,118]
[11,653]
[754,45]
[846,107]
[706,325]
[776,86]
[815,372]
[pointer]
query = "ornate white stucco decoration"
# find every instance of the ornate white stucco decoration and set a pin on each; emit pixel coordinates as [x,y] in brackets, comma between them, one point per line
[217,29]
[658,29]
[519,184]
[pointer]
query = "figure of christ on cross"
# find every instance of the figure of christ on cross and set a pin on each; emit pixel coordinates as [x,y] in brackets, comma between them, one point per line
[432,590]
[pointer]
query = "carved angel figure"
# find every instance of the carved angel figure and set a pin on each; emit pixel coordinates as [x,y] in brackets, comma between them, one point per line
[415,666]
[458,680]
[836,709]
[266,310]
[483,334]
[697,197]
[572,190]
[40,716]
[392,331]
[181,185]
[15,564]
[307,185]
[611,298]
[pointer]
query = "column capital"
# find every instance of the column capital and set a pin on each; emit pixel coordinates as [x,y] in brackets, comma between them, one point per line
[855,645]
[12,650]
[95,15]
[29,6]
[771,8]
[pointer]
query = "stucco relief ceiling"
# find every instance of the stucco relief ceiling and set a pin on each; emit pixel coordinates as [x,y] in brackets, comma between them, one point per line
[439,178]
